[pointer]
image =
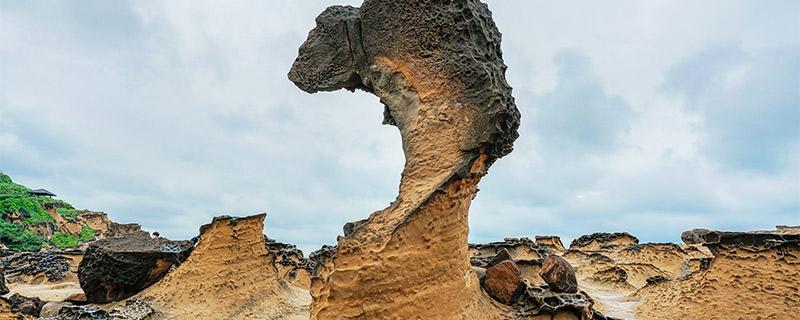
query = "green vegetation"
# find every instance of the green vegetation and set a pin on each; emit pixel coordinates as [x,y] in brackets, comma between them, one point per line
[68,214]
[87,234]
[16,237]
[63,240]
[16,199]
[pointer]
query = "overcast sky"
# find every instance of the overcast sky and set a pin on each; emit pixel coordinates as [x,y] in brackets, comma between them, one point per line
[650,117]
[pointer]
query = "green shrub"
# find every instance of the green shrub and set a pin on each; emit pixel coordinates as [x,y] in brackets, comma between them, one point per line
[64,240]
[69,214]
[16,237]
[87,234]
[4,178]
[38,217]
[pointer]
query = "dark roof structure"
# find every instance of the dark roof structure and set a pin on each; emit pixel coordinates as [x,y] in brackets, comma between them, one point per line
[42,192]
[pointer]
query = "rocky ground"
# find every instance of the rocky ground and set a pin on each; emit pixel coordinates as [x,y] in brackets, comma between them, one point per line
[235,272]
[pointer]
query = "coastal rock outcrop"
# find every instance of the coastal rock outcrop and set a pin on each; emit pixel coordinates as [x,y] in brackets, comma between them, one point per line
[117,268]
[229,275]
[438,71]
[752,275]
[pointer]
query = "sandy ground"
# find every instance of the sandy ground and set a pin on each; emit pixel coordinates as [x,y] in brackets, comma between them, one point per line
[48,292]
[611,302]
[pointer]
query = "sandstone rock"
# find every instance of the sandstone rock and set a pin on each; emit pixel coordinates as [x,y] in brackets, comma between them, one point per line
[756,238]
[36,267]
[351,227]
[603,240]
[517,248]
[614,277]
[544,303]
[437,69]
[134,309]
[230,275]
[656,280]
[752,275]
[71,312]
[30,306]
[551,242]
[559,274]
[78,298]
[504,282]
[116,268]
[52,308]
[480,273]
[290,262]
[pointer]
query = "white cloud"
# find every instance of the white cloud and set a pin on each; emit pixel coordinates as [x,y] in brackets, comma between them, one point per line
[170,113]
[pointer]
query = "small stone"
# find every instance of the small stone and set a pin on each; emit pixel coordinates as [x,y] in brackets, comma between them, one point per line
[559,274]
[503,282]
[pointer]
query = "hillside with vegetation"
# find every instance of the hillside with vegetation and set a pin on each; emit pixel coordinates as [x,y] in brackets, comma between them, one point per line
[30,222]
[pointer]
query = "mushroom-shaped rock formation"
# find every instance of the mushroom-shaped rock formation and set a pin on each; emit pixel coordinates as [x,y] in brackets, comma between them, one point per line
[438,70]
[229,275]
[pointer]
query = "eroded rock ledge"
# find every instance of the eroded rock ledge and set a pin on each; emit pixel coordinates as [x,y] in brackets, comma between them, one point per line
[230,264]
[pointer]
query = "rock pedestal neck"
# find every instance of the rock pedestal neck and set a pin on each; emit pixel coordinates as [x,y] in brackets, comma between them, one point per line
[438,71]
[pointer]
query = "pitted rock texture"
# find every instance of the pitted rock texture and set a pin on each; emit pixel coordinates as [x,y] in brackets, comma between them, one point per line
[753,275]
[117,268]
[551,242]
[603,240]
[290,262]
[230,275]
[26,305]
[438,71]
[542,303]
[36,267]
[757,238]
[517,248]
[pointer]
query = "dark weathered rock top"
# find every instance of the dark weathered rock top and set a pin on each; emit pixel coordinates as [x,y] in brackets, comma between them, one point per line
[443,51]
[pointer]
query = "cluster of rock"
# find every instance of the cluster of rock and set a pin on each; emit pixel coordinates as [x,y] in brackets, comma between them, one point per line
[532,277]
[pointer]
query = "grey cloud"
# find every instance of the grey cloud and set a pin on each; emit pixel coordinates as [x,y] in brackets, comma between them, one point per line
[578,115]
[750,104]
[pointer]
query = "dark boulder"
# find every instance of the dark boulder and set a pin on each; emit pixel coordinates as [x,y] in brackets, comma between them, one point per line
[559,274]
[503,282]
[22,304]
[116,268]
